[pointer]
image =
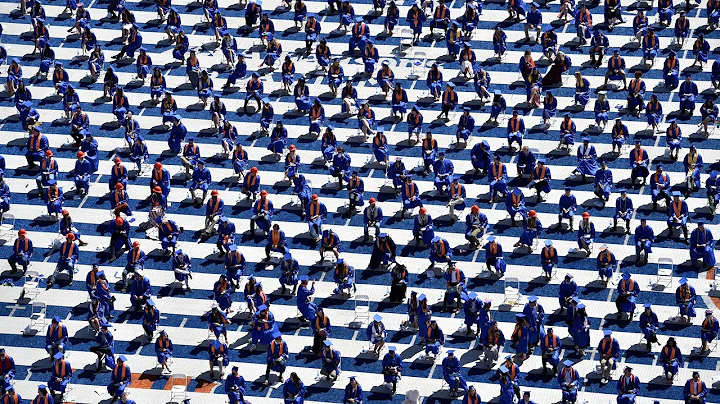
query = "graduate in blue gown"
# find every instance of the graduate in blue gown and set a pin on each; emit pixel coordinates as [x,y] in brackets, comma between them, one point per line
[685,298]
[569,380]
[671,359]
[623,210]
[702,246]
[628,386]
[550,348]
[627,293]
[606,263]
[392,368]
[649,325]
[451,373]
[235,387]
[353,392]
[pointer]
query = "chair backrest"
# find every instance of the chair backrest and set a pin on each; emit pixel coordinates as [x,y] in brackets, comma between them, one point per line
[364,300]
[8,220]
[39,307]
[178,379]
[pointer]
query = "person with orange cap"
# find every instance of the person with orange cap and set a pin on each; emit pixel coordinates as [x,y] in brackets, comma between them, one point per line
[533,229]
[82,171]
[135,262]
[160,177]
[158,206]
[118,174]
[66,227]
[251,184]
[119,200]
[372,217]
[262,214]
[475,224]
[119,229]
[54,198]
[69,252]
[423,227]
[315,213]
[22,251]
[292,162]
[213,211]
[48,171]
[586,233]
[37,145]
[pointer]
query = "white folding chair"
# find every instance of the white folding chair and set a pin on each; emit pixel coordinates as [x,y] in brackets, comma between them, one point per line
[418,64]
[7,226]
[665,272]
[362,308]
[406,39]
[512,291]
[38,318]
[31,287]
[178,387]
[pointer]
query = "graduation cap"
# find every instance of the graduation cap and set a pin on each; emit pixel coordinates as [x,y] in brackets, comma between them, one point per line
[568,363]
[276,334]
[377,318]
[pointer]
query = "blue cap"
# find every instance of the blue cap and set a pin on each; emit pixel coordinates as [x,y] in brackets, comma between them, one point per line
[359,19]
[581,306]
[382,235]
[223,219]
[701,223]
[276,334]
[262,307]
[42,386]
[622,190]
[303,278]
[683,281]
[377,318]
[287,256]
[451,84]
[451,352]
[491,239]
[58,355]
[435,239]
[607,332]
[56,319]
[150,302]
[466,108]
[327,342]
[520,315]
[676,193]
[626,275]
[422,297]
[713,174]
[232,247]
[51,182]
[659,165]
[392,348]
[179,251]
[59,64]
[548,243]
[532,299]
[122,358]
[647,305]
[472,295]
[216,343]
[568,362]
